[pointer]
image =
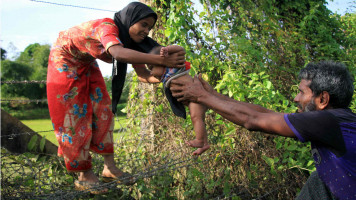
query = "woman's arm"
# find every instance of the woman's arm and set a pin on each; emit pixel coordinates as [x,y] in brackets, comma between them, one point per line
[135,57]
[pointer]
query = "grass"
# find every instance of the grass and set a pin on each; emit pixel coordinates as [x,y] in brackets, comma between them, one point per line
[45,125]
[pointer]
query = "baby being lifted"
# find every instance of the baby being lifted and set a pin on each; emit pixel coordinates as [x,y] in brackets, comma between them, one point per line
[197,111]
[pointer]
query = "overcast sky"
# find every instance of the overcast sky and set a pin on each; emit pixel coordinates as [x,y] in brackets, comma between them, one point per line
[24,22]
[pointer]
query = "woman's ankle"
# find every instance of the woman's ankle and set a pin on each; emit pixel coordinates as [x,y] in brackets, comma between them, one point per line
[88,176]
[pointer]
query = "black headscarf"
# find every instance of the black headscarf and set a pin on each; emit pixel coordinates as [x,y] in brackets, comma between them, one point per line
[124,19]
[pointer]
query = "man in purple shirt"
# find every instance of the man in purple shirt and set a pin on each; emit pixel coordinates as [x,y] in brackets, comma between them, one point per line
[323,118]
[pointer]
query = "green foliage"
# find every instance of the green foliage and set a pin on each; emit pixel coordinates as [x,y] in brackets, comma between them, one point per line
[32,143]
[30,65]
[15,70]
[3,54]
[12,70]
[248,50]
[251,51]
[36,56]
[25,173]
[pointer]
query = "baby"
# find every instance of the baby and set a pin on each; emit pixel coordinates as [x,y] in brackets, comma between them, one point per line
[197,111]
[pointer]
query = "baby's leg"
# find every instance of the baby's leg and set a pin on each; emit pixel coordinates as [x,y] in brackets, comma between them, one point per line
[170,49]
[197,113]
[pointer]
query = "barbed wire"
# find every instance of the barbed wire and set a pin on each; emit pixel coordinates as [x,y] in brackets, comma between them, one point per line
[161,168]
[74,6]
[44,81]
[155,169]
[39,172]
[24,100]
[24,82]
[2,100]
[121,129]
[169,164]
[43,100]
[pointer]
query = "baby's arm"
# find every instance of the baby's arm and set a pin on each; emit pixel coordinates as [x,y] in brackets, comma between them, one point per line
[144,75]
[165,51]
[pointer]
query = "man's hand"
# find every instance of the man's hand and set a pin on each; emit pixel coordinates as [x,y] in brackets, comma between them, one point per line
[188,91]
[206,85]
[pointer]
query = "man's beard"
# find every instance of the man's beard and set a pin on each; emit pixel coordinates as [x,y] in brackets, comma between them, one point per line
[309,107]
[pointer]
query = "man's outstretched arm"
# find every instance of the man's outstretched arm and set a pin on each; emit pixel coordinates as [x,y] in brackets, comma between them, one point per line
[250,116]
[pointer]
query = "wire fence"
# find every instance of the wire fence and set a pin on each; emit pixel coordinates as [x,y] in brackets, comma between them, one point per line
[73,6]
[31,176]
[37,172]
[43,176]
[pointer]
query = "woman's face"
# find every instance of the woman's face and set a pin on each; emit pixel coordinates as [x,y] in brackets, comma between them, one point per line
[139,31]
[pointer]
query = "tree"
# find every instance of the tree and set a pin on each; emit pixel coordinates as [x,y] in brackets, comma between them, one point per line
[36,56]
[12,70]
[30,65]
[3,54]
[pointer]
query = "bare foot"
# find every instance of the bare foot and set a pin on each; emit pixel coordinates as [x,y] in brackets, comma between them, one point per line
[195,143]
[201,150]
[88,181]
[88,176]
[164,52]
[113,172]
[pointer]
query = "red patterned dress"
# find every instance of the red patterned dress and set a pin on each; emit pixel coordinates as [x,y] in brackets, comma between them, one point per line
[79,104]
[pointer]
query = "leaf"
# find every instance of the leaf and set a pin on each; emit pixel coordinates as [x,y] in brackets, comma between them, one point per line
[124,110]
[42,143]
[268,84]
[202,14]
[268,160]
[159,108]
[278,145]
[32,142]
[227,188]
[311,162]
[292,147]
[285,103]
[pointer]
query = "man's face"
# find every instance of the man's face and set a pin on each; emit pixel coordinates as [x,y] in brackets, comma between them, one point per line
[305,99]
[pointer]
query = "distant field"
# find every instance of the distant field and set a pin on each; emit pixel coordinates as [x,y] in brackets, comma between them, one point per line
[39,125]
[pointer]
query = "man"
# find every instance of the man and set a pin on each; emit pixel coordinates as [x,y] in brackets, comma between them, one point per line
[326,90]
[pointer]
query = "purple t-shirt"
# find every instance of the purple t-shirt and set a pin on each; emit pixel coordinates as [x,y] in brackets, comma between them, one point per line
[332,134]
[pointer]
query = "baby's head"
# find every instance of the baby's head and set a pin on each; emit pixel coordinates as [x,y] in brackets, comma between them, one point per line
[156,51]
[156,70]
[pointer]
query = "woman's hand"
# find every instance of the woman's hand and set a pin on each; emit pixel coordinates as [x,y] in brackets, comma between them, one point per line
[175,59]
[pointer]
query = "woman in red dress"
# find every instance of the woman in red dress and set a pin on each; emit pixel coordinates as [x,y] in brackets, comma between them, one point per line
[79,104]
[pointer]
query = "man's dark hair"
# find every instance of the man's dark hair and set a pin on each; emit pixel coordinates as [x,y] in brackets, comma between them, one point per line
[331,77]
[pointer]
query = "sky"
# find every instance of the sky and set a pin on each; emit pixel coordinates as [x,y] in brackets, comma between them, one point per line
[24,22]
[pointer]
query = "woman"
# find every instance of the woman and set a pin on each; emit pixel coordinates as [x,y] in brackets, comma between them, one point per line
[79,104]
